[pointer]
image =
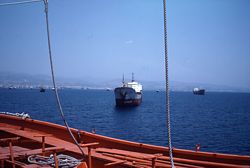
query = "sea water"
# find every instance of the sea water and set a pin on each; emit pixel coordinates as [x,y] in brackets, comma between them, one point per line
[219,122]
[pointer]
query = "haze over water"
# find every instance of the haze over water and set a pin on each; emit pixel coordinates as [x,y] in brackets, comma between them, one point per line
[208,40]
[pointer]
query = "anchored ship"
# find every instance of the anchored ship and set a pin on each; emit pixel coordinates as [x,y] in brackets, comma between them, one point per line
[198,91]
[130,94]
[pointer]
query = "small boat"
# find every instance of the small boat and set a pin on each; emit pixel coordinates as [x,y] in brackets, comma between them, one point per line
[198,91]
[42,89]
[108,89]
[130,94]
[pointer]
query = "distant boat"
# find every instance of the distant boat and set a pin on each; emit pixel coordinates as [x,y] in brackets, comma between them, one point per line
[130,94]
[12,87]
[42,89]
[198,91]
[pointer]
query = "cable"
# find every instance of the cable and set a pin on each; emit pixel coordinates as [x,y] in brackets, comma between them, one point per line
[19,2]
[167,87]
[51,64]
[54,82]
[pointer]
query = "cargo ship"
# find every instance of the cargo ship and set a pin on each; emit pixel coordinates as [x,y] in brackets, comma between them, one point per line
[198,91]
[129,94]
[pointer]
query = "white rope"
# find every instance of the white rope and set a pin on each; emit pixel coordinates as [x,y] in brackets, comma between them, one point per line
[19,2]
[167,87]
[54,81]
[51,64]
[23,115]
[63,160]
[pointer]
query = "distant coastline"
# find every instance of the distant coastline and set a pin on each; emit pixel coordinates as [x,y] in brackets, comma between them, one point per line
[27,81]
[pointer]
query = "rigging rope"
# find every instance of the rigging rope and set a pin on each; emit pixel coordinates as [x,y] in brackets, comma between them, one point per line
[167,87]
[54,82]
[19,2]
[65,161]
[51,64]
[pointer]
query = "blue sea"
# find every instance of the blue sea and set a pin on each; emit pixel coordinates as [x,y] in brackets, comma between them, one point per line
[219,122]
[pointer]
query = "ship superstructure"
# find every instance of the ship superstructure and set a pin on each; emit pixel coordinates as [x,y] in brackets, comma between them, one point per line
[198,91]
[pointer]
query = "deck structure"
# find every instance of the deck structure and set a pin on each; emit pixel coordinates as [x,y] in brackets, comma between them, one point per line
[21,138]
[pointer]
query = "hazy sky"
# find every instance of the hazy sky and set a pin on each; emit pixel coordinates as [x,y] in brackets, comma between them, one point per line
[208,40]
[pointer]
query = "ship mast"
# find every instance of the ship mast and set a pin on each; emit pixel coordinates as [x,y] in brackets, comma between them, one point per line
[123,80]
[133,77]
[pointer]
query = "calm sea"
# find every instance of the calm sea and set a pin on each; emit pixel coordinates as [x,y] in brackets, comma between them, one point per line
[220,122]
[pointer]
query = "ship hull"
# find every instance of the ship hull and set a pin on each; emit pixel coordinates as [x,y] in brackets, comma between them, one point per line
[109,150]
[126,96]
[199,92]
